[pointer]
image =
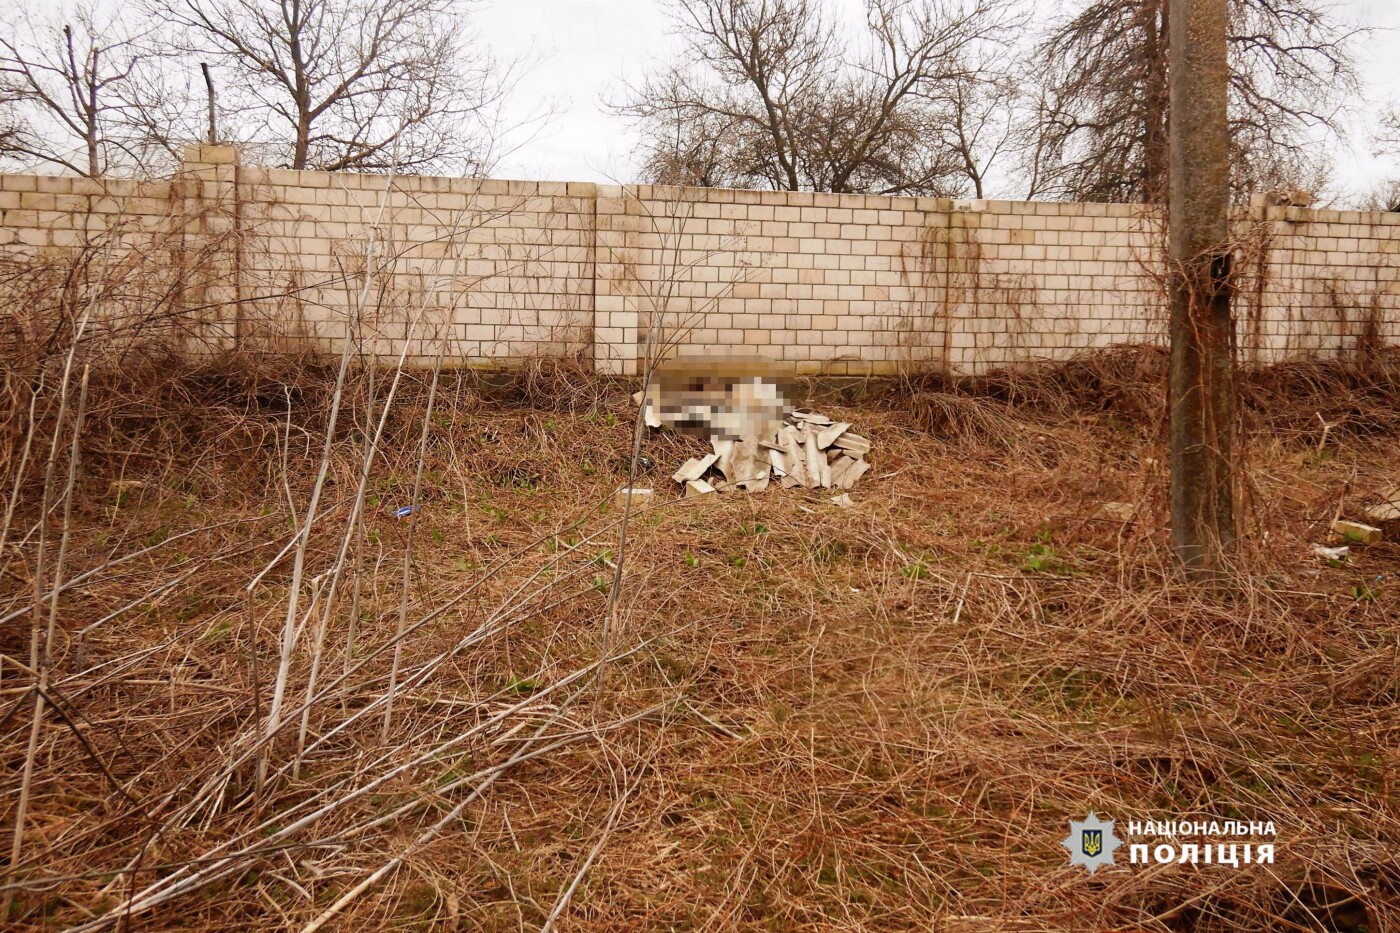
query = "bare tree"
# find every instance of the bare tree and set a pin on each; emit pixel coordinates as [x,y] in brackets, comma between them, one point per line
[978,123]
[768,97]
[70,92]
[1102,121]
[702,147]
[346,84]
[1384,195]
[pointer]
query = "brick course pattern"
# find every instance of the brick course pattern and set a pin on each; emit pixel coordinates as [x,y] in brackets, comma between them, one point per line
[495,272]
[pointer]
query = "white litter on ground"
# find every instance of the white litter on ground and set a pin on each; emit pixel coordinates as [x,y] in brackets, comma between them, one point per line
[1331,553]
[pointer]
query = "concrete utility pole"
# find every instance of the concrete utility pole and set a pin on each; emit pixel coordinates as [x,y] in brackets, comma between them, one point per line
[1201,391]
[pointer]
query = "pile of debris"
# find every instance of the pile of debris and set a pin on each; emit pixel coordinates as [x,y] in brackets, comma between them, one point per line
[1381,520]
[755,435]
[809,450]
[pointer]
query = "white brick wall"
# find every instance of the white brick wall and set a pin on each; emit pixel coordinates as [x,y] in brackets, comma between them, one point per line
[495,271]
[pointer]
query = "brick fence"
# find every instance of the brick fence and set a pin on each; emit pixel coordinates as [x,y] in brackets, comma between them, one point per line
[497,271]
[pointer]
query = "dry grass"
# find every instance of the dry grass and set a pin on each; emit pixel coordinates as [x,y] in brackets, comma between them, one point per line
[814,718]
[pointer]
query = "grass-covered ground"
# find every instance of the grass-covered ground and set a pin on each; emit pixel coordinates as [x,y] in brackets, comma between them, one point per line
[790,716]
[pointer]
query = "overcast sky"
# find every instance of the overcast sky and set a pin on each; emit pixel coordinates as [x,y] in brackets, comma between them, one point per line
[579,51]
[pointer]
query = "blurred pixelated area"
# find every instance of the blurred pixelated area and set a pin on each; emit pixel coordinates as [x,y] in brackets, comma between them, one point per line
[744,408]
[718,397]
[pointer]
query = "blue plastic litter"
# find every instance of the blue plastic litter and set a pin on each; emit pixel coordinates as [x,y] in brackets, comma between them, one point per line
[404,511]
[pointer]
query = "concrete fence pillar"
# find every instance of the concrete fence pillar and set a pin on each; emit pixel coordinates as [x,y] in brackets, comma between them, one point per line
[616,349]
[210,225]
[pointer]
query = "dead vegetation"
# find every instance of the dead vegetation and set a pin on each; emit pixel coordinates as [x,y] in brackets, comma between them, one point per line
[1352,397]
[791,716]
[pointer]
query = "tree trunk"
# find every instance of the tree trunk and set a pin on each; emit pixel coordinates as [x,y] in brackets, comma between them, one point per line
[1154,132]
[1201,387]
[303,142]
[93,128]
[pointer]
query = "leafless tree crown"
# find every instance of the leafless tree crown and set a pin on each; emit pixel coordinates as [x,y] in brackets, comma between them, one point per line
[945,97]
[1384,195]
[76,93]
[1101,123]
[325,84]
[343,84]
[769,96]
